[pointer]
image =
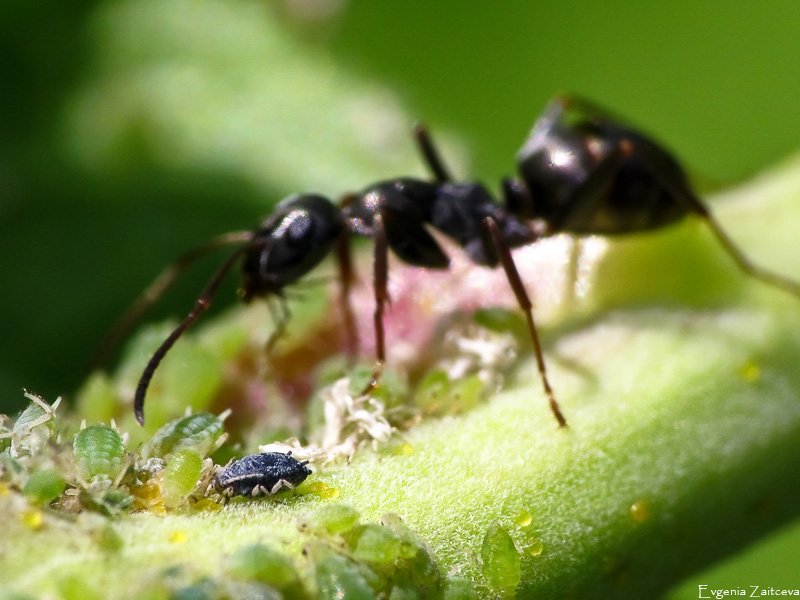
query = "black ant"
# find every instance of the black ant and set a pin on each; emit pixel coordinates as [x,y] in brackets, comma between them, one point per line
[581,172]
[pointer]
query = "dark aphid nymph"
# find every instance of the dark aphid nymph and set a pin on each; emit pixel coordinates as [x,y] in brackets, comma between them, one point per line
[261,475]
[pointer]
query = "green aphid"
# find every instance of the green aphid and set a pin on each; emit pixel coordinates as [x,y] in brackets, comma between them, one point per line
[501,562]
[35,415]
[183,472]
[502,320]
[376,543]
[44,486]
[468,392]
[100,453]
[199,432]
[416,558]
[257,562]
[458,588]
[334,518]
[392,392]
[33,428]
[438,395]
[337,577]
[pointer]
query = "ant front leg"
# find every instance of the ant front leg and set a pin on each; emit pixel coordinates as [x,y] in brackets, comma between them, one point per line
[524,301]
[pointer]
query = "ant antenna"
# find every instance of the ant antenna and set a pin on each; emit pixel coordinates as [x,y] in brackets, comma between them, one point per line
[156,289]
[202,304]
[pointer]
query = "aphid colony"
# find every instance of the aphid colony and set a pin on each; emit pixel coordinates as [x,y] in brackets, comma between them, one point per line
[581,172]
[97,472]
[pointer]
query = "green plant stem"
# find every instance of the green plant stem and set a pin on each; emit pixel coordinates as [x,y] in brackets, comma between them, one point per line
[683,446]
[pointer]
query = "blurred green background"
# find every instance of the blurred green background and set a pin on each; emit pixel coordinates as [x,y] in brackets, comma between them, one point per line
[133,130]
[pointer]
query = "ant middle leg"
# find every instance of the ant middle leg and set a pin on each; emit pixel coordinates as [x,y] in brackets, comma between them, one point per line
[380,279]
[346,278]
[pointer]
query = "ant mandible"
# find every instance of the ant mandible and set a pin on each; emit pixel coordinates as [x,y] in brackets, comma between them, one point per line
[581,171]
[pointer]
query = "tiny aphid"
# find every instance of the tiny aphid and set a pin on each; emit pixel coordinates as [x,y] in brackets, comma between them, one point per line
[33,428]
[38,413]
[201,432]
[181,477]
[100,452]
[500,559]
[261,475]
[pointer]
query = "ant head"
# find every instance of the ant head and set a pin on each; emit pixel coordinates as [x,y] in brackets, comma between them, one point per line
[291,242]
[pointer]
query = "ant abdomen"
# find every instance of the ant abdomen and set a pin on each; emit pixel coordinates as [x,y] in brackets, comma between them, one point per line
[588,175]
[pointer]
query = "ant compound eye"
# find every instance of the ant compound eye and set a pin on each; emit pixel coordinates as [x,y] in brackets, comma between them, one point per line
[299,229]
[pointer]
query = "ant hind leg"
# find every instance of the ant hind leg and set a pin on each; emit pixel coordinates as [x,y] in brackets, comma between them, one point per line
[695,206]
